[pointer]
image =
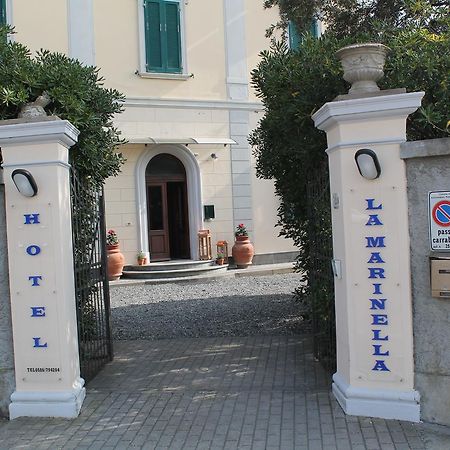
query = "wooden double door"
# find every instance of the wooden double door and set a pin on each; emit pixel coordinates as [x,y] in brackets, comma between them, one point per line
[168,219]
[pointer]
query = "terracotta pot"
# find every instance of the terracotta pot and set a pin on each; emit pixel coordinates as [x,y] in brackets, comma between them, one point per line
[142,261]
[220,261]
[116,262]
[242,252]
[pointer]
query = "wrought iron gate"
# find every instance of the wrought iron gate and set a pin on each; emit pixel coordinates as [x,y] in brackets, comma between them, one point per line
[91,279]
[321,283]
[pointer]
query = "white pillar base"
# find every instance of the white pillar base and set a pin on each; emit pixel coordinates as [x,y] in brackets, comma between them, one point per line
[385,404]
[65,404]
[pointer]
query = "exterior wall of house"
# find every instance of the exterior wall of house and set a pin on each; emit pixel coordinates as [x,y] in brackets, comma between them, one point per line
[204,41]
[222,40]
[41,24]
[7,381]
[427,168]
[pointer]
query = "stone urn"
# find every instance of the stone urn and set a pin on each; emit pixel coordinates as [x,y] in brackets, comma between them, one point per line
[242,252]
[116,262]
[363,66]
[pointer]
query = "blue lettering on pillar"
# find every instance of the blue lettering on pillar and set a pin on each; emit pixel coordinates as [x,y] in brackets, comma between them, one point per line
[376,272]
[37,343]
[374,220]
[31,219]
[33,250]
[370,204]
[378,303]
[377,350]
[379,319]
[37,311]
[375,257]
[35,280]
[380,366]
[377,288]
[372,242]
[377,337]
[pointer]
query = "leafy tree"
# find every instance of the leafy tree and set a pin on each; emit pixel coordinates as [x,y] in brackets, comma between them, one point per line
[353,17]
[294,84]
[77,94]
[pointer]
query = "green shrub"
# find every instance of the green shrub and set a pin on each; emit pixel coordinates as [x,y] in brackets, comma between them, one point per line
[77,95]
[294,84]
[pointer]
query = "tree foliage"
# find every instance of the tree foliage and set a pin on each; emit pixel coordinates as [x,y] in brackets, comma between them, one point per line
[357,17]
[294,84]
[77,94]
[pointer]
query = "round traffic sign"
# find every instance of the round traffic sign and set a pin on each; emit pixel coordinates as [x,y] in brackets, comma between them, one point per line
[441,213]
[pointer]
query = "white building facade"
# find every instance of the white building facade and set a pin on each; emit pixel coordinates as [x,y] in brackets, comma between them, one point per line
[184,67]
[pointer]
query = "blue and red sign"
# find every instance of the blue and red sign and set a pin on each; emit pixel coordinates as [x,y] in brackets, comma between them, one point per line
[439,220]
[441,213]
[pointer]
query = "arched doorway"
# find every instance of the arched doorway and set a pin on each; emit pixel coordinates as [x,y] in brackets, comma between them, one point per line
[167,208]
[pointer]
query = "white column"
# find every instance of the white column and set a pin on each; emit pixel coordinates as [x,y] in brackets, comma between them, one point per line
[237,87]
[41,278]
[81,31]
[375,375]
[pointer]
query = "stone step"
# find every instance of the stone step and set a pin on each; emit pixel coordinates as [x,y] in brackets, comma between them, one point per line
[178,273]
[170,265]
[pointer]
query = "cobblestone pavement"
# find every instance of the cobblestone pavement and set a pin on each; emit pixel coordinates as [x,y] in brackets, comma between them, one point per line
[211,393]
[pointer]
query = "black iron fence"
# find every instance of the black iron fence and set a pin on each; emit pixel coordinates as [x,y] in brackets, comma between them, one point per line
[320,277]
[91,280]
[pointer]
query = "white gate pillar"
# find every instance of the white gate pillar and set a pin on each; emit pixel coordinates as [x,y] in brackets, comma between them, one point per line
[375,375]
[48,382]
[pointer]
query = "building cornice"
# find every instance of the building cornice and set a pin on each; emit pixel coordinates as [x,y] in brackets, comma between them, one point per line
[148,102]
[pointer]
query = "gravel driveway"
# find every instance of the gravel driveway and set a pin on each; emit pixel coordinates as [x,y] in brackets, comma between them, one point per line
[260,305]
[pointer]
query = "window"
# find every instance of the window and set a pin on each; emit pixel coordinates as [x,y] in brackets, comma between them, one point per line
[295,38]
[3,12]
[162,36]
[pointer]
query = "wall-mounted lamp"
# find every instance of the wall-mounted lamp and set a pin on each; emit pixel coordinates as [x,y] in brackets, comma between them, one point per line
[214,156]
[368,164]
[25,183]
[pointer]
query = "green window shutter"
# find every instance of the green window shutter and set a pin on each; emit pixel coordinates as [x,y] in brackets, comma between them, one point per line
[173,44]
[162,36]
[2,12]
[152,11]
[314,28]
[294,37]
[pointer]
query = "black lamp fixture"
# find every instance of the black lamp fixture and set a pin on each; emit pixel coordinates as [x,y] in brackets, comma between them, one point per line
[368,164]
[25,183]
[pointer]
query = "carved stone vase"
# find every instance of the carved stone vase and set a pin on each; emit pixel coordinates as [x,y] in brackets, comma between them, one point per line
[116,262]
[242,252]
[363,66]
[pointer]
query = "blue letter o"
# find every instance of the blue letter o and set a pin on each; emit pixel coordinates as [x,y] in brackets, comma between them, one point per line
[33,250]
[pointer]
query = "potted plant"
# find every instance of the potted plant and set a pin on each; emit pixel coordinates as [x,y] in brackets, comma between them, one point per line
[141,258]
[242,250]
[115,258]
[220,258]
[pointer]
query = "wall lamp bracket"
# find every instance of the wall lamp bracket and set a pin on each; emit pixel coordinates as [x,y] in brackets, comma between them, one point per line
[368,164]
[24,182]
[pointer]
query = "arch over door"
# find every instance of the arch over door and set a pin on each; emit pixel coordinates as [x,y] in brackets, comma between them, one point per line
[167,208]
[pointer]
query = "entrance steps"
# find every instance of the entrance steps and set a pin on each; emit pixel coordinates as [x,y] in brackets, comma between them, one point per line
[167,271]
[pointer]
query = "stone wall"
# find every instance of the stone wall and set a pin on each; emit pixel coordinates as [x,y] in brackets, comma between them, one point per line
[428,169]
[6,348]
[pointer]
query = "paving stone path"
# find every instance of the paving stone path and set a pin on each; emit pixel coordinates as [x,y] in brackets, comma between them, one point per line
[258,392]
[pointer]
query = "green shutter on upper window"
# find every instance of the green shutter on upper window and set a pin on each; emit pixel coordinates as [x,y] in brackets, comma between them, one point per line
[314,28]
[294,37]
[2,12]
[162,36]
[153,35]
[173,36]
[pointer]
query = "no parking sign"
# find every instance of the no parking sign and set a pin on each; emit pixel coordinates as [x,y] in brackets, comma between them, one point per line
[439,220]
